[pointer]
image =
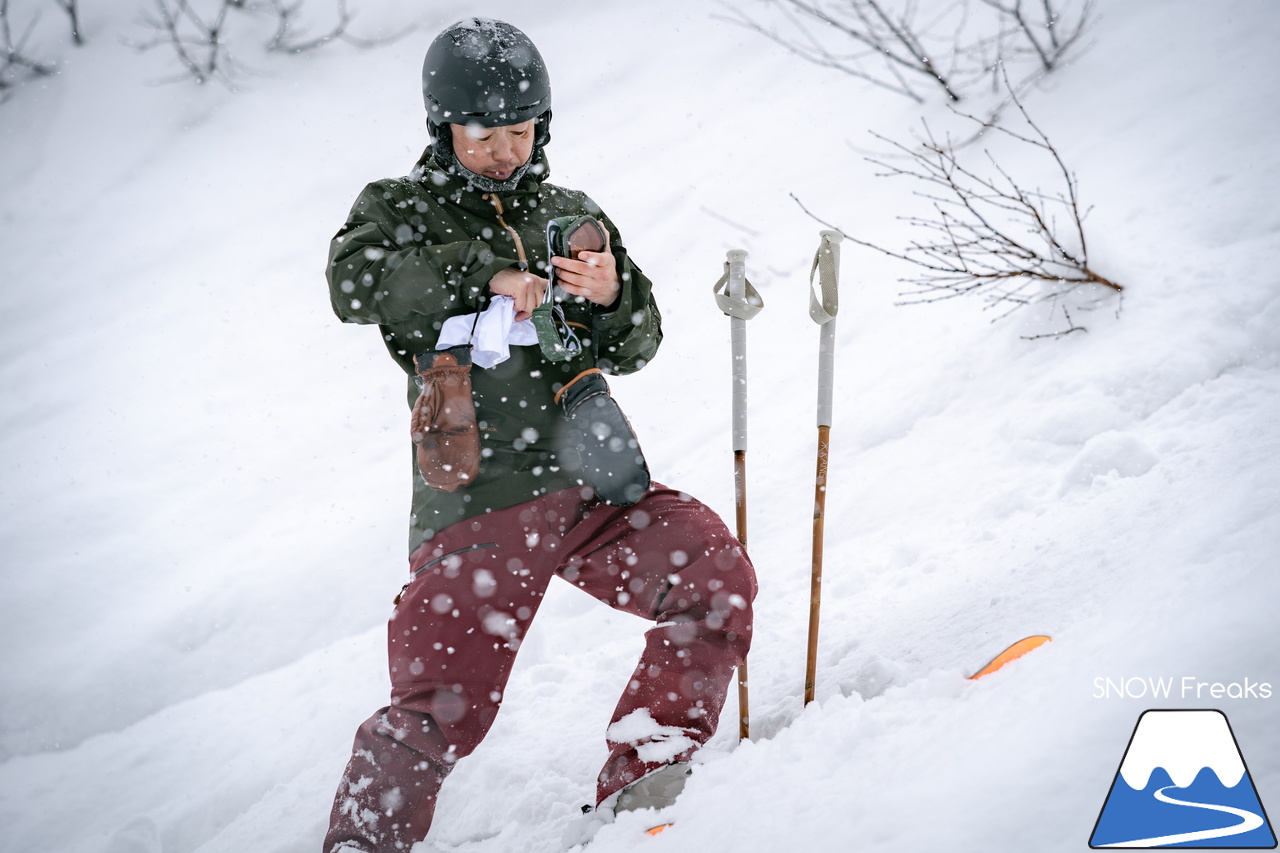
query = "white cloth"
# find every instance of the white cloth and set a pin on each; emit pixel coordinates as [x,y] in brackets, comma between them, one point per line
[496,331]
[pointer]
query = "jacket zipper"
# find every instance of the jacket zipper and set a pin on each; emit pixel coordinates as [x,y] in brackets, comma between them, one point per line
[497,205]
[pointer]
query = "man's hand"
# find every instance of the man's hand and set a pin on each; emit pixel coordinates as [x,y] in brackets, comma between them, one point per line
[593,276]
[525,288]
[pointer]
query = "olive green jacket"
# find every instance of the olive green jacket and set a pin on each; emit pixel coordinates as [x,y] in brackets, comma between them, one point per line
[420,249]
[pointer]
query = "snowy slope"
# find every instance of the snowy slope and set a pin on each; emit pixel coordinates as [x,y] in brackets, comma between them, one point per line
[207,475]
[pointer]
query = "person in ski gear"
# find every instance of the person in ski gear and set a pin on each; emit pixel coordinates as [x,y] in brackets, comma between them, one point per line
[467,226]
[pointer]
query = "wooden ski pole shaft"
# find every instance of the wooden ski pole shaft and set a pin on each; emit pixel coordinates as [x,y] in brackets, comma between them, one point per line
[823,311]
[740,498]
[815,580]
[737,260]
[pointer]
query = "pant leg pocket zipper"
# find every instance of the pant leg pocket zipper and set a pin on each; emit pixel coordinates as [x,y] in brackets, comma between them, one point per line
[479,546]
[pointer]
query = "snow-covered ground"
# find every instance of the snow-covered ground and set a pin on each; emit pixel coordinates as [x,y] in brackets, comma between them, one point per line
[206,475]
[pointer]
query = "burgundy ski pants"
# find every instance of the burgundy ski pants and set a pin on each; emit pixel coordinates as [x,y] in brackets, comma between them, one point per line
[474,590]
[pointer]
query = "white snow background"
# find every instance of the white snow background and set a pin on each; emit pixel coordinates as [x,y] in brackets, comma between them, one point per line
[206,475]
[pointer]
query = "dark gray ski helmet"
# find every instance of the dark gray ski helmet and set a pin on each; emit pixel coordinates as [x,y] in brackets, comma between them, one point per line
[485,71]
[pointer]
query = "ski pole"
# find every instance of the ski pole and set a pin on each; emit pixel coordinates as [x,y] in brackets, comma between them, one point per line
[823,312]
[738,299]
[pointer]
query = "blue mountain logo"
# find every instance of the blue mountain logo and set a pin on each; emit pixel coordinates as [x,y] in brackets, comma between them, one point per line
[1183,783]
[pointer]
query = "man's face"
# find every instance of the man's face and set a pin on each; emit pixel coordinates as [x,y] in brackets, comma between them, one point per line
[495,152]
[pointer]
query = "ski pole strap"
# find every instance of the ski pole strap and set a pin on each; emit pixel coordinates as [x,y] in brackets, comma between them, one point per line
[739,307]
[826,263]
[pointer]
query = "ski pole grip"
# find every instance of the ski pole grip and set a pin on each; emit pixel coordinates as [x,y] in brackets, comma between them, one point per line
[737,289]
[823,306]
[826,372]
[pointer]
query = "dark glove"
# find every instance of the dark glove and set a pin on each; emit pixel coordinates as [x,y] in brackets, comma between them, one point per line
[599,433]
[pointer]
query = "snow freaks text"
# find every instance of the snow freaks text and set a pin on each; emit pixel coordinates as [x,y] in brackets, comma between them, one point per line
[1186,687]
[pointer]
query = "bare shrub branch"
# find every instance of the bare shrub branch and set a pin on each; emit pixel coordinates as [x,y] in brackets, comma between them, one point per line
[72,8]
[989,235]
[897,40]
[1070,329]
[199,42]
[15,65]
[890,44]
[286,40]
[1047,34]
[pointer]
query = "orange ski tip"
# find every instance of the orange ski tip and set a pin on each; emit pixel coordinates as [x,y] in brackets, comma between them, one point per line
[659,829]
[1012,653]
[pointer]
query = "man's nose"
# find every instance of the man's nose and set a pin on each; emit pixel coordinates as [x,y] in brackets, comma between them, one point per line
[503,151]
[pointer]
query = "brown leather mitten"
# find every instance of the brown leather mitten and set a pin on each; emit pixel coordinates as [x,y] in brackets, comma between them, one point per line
[443,424]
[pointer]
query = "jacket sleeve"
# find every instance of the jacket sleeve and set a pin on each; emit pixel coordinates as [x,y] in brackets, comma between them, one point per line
[630,330]
[382,271]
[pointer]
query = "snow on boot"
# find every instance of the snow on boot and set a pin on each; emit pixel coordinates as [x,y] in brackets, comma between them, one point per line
[579,831]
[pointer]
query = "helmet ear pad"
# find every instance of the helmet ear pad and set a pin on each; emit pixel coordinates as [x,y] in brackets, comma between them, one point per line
[542,130]
[441,134]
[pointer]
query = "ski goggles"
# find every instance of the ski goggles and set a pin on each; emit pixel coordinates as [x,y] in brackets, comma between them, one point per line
[570,236]
[567,237]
